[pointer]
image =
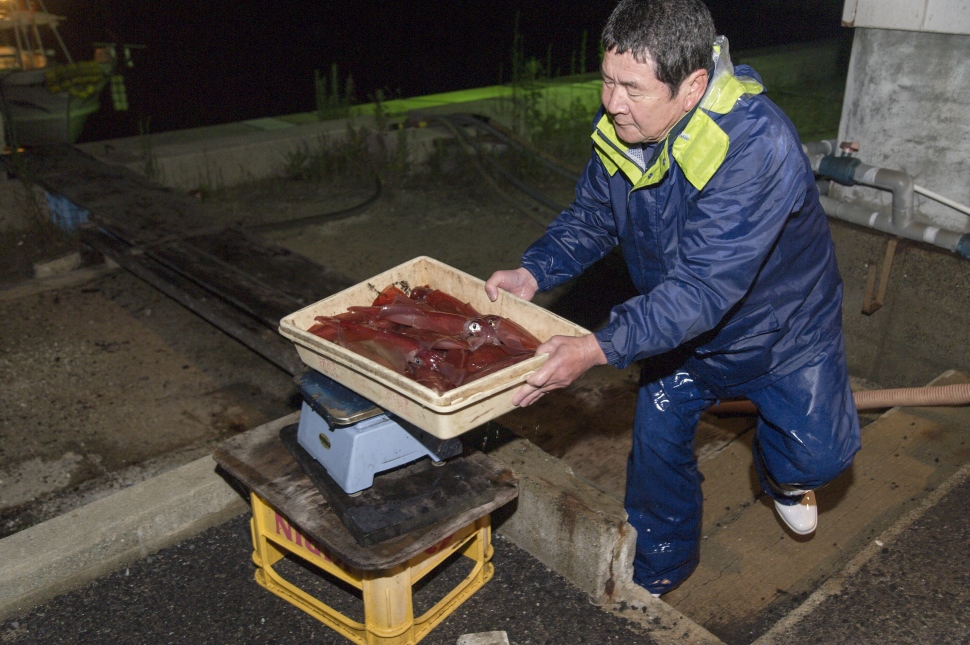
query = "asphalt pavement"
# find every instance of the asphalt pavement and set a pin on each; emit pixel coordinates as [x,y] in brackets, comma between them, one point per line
[914,590]
[202,591]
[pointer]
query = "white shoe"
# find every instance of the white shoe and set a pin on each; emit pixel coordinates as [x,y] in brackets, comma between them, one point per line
[801,518]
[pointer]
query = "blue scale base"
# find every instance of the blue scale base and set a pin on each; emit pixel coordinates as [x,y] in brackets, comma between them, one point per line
[354,440]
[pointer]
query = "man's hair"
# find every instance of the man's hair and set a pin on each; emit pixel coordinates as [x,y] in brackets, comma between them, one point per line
[677,35]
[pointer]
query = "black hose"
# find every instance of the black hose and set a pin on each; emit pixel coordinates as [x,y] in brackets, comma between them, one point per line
[454,126]
[475,155]
[320,218]
[481,124]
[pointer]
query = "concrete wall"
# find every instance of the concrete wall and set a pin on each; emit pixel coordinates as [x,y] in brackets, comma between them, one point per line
[945,16]
[906,104]
[221,156]
[216,157]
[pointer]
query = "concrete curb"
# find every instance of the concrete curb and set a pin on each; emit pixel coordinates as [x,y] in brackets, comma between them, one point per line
[581,533]
[68,551]
[571,527]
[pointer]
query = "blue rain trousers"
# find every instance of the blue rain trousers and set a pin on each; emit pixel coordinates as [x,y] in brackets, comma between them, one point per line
[807,434]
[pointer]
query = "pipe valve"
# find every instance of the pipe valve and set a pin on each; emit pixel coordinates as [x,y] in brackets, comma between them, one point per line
[849,148]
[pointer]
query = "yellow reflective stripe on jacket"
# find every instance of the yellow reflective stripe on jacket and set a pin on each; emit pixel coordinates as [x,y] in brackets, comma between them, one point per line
[699,149]
[611,167]
[612,150]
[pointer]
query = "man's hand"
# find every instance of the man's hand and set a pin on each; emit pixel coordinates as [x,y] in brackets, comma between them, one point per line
[519,283]
[569,358]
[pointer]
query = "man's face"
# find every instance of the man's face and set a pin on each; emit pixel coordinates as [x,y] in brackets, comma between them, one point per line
[640,106]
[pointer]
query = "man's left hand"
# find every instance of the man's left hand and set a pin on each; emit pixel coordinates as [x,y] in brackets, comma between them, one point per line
[569,358]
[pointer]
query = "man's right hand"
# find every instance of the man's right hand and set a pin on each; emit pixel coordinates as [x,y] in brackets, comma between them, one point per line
[519,283]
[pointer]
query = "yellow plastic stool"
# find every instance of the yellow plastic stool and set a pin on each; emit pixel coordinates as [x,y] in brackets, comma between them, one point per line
[388,610]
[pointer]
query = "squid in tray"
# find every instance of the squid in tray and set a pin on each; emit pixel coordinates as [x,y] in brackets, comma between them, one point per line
[429,336]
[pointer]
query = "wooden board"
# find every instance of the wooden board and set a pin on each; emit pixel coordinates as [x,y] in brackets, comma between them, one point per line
[272,265]
[753,569]
[141,211]
[235,280]
[262,464]
[251,332]
[250,295]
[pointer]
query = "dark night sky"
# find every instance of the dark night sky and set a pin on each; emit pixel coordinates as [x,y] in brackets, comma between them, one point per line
[228,60]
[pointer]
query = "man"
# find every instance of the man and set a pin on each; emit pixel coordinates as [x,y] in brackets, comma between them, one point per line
[702,182]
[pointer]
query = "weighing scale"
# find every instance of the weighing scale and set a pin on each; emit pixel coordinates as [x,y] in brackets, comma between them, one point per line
[369,464]
[354,439]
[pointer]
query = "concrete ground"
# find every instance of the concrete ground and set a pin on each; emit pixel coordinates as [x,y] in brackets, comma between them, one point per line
[914,589]
[918,335]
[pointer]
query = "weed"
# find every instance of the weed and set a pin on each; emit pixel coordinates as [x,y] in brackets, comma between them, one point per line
[150,168]
[210,179]
[392,162]
[331,103]
[344,157]
[535,108]
[365,151]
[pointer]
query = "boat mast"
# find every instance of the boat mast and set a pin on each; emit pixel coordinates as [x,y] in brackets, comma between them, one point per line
[57,34]
[21,60]
[40,43]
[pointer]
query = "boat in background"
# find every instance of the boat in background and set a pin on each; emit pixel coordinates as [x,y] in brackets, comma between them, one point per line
[45,100]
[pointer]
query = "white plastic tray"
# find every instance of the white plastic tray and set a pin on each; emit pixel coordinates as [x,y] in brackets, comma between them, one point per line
[444,415]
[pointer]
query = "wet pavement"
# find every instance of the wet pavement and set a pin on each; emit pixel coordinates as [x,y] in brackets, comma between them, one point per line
[916,590]
[202,591]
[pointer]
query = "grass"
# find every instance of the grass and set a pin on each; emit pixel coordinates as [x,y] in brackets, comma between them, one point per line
[375,147]
[551,115]
[332,102]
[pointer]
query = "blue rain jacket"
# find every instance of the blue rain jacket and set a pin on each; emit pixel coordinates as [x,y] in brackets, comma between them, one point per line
[724,236]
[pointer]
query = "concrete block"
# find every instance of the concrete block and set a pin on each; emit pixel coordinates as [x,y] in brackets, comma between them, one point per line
[194,161]
[570,526]
[484,638]
[57,266]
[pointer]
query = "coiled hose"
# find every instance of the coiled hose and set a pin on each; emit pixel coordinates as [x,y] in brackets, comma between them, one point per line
[935,395]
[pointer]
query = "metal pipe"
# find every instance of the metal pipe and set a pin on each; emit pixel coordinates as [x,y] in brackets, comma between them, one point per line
[57,35]
[21,61]
[958,243]
[849,171]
